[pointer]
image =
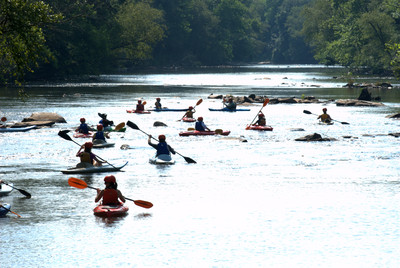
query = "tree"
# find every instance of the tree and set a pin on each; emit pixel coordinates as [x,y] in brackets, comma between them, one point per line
[22,42]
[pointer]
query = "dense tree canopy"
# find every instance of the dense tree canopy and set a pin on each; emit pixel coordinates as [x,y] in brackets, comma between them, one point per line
[75,37]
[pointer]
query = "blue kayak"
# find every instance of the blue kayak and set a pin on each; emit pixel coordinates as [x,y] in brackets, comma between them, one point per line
[228,110]
[4,209]
[16,129]
[168,110]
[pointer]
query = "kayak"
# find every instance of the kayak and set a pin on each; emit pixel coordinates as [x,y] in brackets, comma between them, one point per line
[16,129]
[168,110]
[5,189]
[4,211]
[82,135]
[110,211]
[137,112]
[188,119]
[204,133]
[262,128]
[228,110]
[325,123]
[113,129]
[102,144]
[158,161]
[94,169]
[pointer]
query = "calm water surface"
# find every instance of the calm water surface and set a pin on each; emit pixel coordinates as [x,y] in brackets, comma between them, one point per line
[269,202]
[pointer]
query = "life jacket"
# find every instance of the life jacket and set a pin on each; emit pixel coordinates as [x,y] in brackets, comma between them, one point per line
[110,197]
[105,122]
[189,114]
[162,148]
[325,118]
[261,121]
[86,157]
[139,107]
[199,126]
[99,136]
[83,128]
[158,105]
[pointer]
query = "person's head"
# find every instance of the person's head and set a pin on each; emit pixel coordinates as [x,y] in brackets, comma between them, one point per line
[139,101]
[88,146]
[158,99]
[161,138]
[99,127]
[3,119]
[83,120]
[190,107]
[324,110]
[230,100]
[200,119]
[261,115]
[110,182]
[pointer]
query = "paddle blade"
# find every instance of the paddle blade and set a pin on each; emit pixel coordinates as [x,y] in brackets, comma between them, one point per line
[199,102]
[119,126]
[189,160]
[143,204]
[132,125]
[63,134]
[77,183]
[28,195]
[218,131]
[345,123]
[190,129]
[144,103]
[307,112]
[265,102]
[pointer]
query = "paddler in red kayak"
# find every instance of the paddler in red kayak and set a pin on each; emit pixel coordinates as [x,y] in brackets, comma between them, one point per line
[87,157]
[83,127]
[189,113]
[163,149]
[261,120]
[139,106]
[326,118]
[200,126]
[111,195]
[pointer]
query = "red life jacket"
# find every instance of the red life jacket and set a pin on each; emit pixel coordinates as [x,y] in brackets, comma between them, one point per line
[110,197]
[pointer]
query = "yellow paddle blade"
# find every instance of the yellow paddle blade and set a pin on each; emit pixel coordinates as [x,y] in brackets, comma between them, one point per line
[218,131]
[190,129]
[119,126]
[77,183]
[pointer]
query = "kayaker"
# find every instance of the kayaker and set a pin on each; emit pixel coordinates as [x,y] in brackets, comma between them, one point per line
[3,119]
[231,105]
[83,127]
[158,103]
[87,157]
[111,195]
[139,106]
[189,113]
[163,149]
[200,126]
[105,122]
[325,118]
[261,120]
[100,135]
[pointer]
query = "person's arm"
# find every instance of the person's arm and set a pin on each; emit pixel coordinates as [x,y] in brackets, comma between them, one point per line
[171,149]
[99,195]
[151,144]
[80,149]
[205,127]
[121,197]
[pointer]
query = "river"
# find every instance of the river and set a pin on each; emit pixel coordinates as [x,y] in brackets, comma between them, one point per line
[268,202]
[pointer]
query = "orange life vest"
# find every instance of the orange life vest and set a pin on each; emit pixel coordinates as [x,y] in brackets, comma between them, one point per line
[110,197]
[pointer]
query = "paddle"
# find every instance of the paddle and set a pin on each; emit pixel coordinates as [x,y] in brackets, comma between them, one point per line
[28,195]
[134,126]
[19,216]
[80,184]
[119,126]
[63,134]
[197,103]
[308,112]
[264,104]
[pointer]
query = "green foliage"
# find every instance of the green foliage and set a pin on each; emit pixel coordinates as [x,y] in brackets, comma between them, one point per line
[22,42]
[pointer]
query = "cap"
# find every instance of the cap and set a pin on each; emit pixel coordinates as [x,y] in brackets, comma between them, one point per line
[88,144]
[139,101]
[99,127]
[200,118]
[161,137]
[83,120]
[190,107]
[158,99]
[324,109]
[110,179]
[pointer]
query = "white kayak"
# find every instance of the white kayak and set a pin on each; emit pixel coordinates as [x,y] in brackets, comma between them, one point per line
[94,169]
[102,144]
[5,189]
[158,161]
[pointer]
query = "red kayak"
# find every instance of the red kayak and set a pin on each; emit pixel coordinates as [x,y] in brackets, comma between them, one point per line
[261,128]
[110,211]
[204,133]
[137,112]
[188,119]
[82,135]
